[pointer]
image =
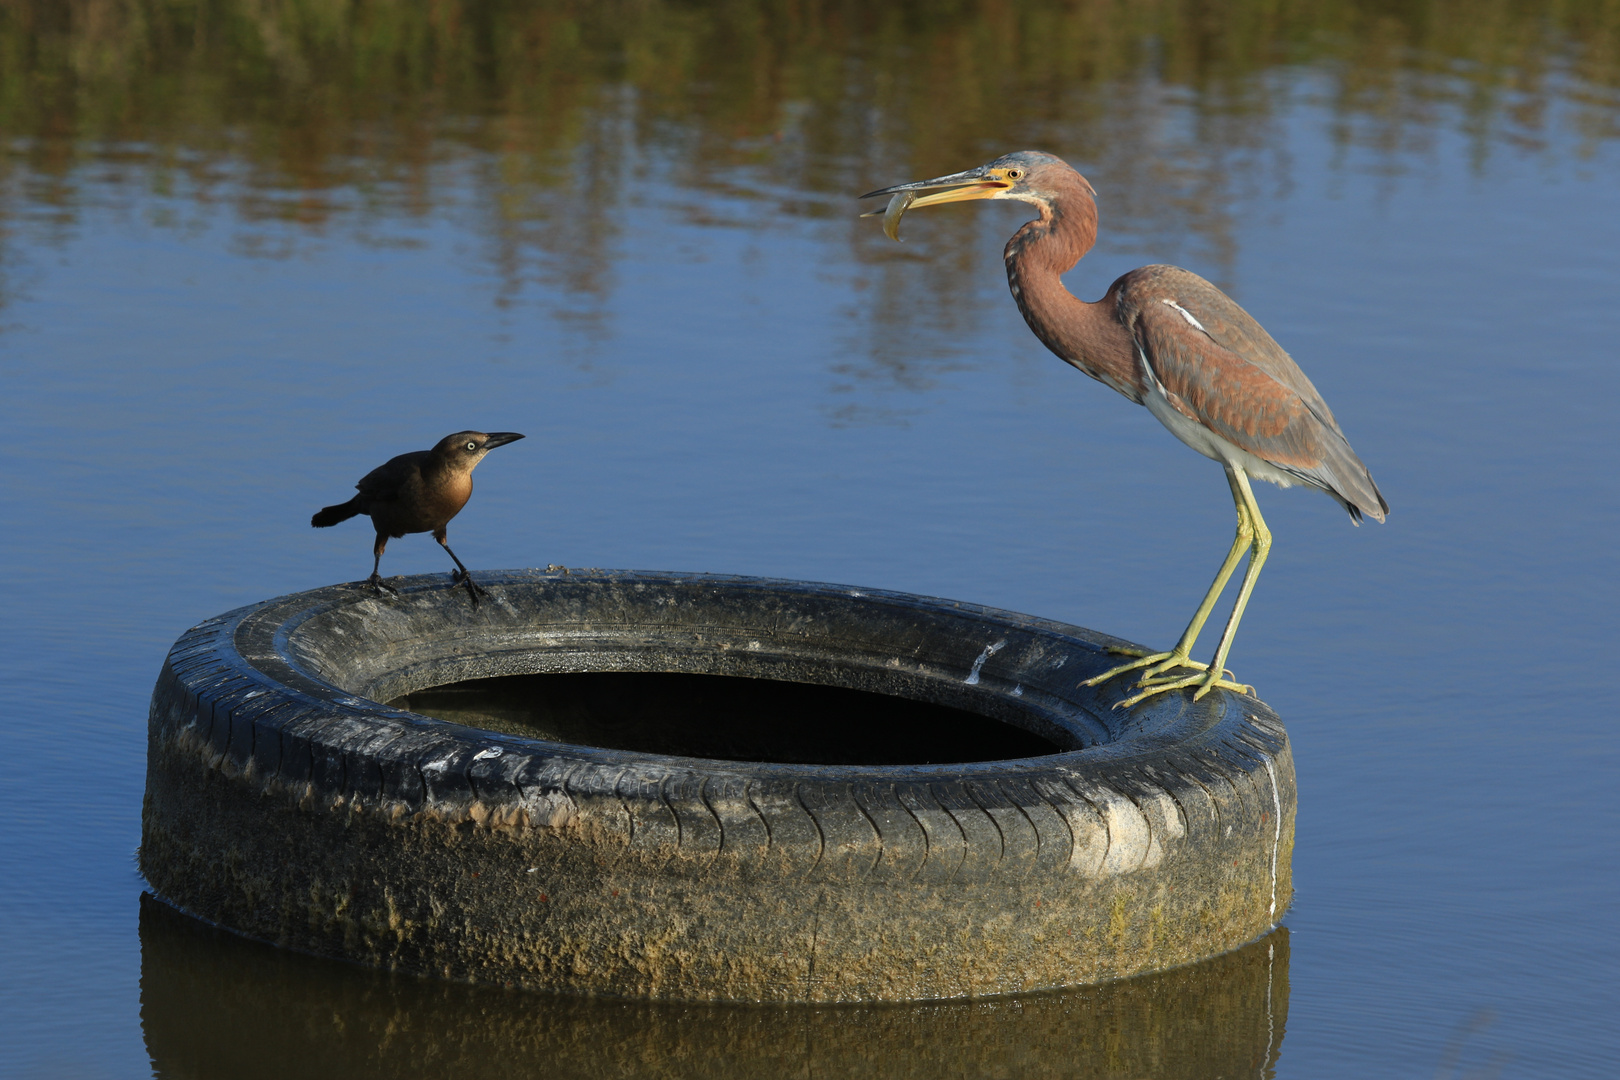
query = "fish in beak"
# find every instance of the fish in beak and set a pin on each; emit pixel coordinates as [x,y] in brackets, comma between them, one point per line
[985,182]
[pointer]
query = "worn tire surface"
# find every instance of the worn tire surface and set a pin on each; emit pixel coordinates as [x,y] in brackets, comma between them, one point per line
[286,803]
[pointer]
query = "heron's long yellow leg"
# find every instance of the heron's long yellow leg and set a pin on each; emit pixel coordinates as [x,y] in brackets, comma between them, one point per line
[1181,655]
[1261,548]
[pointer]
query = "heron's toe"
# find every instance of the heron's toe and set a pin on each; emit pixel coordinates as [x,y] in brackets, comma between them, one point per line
[1144,660]
[1213,681]
[1205,681]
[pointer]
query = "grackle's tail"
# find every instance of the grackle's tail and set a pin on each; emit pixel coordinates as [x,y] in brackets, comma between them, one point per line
[331,515]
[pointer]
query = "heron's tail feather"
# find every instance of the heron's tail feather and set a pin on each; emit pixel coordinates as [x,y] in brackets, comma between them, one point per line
[1349,481]
[1340,473]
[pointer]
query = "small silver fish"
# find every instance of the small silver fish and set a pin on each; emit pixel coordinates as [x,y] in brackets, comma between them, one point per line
[898,205]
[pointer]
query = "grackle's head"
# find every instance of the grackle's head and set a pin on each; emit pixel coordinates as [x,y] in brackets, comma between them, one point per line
[469,447]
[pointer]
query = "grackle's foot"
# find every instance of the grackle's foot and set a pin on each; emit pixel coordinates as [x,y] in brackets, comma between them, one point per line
[474,590]
[376,582]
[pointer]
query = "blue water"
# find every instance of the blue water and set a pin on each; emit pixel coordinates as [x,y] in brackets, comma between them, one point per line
[736,375]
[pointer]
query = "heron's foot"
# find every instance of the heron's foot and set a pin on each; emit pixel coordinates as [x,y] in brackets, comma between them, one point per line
[1143,659]
[376,582]
[1156,664]
[1207,681]
[1130,650]
[1157,677]
[474,589]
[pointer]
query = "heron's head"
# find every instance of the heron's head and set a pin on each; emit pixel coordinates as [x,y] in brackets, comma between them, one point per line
[1026,175]
[467,448]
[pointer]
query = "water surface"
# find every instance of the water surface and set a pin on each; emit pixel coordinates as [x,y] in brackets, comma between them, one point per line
[246,253]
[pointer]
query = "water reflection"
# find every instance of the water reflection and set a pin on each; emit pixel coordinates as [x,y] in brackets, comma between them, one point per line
[214,1005]
[528,120]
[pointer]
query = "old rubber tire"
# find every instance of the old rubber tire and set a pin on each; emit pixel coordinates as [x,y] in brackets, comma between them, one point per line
[284,802]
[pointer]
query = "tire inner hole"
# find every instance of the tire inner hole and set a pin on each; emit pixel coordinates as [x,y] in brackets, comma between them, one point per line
[726,717]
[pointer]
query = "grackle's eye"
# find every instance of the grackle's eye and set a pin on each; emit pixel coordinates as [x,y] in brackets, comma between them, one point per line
[472,446]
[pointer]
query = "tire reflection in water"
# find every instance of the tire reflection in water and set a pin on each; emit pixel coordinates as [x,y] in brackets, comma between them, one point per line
[215,1005]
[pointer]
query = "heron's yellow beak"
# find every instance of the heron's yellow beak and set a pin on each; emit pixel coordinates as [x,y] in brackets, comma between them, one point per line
[958,187]
[984,189]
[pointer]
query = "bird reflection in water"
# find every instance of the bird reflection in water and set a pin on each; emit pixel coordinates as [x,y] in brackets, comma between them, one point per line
[1169,340]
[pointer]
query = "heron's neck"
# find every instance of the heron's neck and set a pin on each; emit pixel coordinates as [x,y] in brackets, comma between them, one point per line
[1089,336]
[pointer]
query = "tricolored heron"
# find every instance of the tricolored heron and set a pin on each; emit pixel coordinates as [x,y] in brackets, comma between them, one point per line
[1167,339]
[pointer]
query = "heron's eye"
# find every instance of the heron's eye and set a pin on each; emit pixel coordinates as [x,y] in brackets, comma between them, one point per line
[1015,174]
[472,446]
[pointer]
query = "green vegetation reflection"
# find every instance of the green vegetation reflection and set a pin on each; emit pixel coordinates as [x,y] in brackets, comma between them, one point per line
[317,93]
[530,122]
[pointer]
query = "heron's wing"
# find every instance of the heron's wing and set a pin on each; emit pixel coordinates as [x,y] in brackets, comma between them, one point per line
[1221,368]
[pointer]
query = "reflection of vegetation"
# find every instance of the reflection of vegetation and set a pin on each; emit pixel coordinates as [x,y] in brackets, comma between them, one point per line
[298,79]
[302,111]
